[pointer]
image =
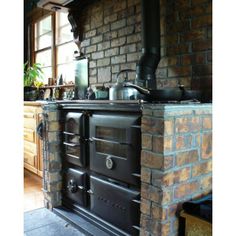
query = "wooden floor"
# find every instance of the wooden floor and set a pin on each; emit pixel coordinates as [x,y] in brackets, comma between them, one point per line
[33,195]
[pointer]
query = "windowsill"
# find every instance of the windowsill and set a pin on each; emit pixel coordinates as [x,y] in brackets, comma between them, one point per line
[58,86]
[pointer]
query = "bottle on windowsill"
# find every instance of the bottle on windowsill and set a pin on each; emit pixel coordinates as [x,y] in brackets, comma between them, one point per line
[60,80]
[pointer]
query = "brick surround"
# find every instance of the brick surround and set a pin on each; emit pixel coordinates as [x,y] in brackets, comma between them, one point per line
[176,162]
[52,163]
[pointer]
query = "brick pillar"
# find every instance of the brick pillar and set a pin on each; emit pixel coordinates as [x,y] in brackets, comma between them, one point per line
[176,163]
[52,180]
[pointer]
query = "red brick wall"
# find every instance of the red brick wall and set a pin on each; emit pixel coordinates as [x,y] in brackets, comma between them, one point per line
[176,163]
[111,38]
[112,41]
[186,44]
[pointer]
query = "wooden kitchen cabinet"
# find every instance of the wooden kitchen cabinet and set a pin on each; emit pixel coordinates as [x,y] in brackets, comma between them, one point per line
[33,158]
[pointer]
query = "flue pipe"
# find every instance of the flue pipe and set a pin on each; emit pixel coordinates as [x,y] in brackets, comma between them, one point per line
[146,67]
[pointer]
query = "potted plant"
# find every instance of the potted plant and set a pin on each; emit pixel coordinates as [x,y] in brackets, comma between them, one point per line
[33,76]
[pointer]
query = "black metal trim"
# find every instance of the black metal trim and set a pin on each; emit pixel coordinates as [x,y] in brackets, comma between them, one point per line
[146,68]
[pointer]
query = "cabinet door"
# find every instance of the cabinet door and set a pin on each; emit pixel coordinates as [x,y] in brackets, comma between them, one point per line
[30,109]
[32,149]
[29,122]
[29,158]
[30,162]
[29,135]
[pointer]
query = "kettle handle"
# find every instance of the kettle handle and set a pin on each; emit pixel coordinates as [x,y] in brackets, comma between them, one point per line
[140,89]
[123,71]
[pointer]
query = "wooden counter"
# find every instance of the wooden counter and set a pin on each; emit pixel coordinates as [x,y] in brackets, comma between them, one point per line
[32,144]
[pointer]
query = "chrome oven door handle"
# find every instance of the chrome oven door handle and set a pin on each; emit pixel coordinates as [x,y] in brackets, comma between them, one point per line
[90,191]
[136,201]
[69,133]
[71,144]
[136,227]
[107,141]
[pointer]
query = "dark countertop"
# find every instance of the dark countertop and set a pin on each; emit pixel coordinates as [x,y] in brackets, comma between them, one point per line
[117,105]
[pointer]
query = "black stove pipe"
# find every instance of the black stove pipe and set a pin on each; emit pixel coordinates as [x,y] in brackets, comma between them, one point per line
[145,70]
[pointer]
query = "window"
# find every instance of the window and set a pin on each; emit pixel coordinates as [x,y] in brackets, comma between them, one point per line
[43,45]
[65,47]
[54,46]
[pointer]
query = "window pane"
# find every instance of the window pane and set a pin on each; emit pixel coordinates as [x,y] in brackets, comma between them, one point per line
[61,18]
[45,25]
[63,28]
[112,149]
[43,41]
[67,71]
[44,58]
[64,34]
[65,52]
[47,73]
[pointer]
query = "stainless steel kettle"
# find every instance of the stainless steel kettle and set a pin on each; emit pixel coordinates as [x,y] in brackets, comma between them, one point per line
[119,92]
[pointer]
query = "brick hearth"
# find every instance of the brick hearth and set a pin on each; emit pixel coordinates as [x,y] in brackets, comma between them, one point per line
[176,162]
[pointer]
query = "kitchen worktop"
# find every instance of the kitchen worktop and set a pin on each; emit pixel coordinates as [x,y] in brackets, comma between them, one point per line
[121,105]
[35,103]
[139,101]
[125,105]
[118,104]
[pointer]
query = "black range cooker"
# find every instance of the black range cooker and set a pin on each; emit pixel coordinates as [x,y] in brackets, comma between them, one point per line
[101,163]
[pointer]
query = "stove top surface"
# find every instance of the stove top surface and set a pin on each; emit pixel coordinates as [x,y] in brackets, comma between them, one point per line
[193,101]
[102,101]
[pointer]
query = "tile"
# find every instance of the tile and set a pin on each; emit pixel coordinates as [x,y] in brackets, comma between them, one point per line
[58,229]
[38,218]
[44,222]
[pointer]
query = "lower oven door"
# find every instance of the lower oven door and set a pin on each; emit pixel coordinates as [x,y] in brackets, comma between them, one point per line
[115,204]
[115,143]
[74,186]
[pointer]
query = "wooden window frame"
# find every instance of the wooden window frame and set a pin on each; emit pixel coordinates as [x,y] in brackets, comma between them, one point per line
[53,46]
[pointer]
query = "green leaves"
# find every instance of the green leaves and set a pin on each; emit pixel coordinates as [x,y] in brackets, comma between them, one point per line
[32,73]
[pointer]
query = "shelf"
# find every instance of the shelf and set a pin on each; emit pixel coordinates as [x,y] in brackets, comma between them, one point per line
[58,86]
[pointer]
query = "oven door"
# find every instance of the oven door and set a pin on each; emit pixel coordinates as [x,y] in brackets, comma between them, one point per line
[115,204]
[74,123]
[74,186]
[74,138]
[115,144]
